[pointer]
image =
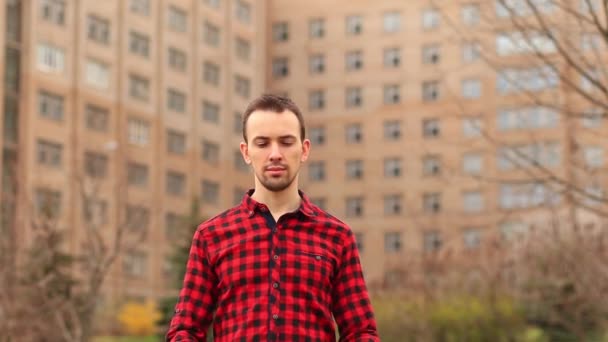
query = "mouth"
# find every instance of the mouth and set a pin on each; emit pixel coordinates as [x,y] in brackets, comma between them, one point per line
[275,170]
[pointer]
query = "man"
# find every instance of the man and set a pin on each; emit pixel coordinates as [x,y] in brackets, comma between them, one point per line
[275,267]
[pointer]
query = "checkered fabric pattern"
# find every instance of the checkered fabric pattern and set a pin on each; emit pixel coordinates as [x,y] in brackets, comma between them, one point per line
[255,279]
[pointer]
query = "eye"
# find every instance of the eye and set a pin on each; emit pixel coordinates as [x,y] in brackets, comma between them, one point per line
[261,144]
[287,142]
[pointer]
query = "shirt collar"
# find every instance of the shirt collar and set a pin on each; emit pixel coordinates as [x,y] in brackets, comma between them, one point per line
[251,206]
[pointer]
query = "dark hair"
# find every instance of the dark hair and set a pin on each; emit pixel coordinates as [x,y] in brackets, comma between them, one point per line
[274,103]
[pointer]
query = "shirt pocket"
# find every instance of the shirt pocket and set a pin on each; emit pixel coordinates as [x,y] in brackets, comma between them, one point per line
[312,266]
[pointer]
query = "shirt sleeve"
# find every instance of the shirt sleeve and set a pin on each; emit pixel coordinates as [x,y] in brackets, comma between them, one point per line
[197,298]
[351,305]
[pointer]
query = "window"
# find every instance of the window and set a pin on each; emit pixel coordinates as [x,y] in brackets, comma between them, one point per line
[48,203]
[430,128]
[53,11]
[526,195]
[177,59]
[98,29]
[97,74]
[211,192]
[431,165]
[472,127]
[135,264]
[431,202]
[177,19]
[392,129]
[593,156]
[592,118]
[472,163]
[432,241]
[238,123]
[12,68]
[211,112]
[139,132]
[176,100]
[242,86]
[392,167]
[243,12]
[280,67]
[431,19]
[95,212]
[139,87]
[354,60]
[173,222]
[392,57]
[316,64]
[211,34]
[239,162]
[430,91]
[354,206]
[316,28]
[471,89]
[471,238]
[137,174]
[591,41]
[354,97]
[320,202]
[96,118]
[354,134]
[49,153]
[510,230]
[354,169]
[210,152]
[95,164]
[316,171]
[141,7]
[521,8]
[238,194]
[316,99]
[359,238]
[211,73]
[471,52]
[50,58]
[354,25]
[392,242]
[213,3]
[532,79]
[243,49]
[431,54]
[470,14]
[176,142]
[589,80]
[139,44]
[524,156]
[392,204]
[50,105]
[472,202]
[392,94]
[176,183]
[391,22]
[317,135]
[529,42]
[527,118]
[11,117]
[280,32]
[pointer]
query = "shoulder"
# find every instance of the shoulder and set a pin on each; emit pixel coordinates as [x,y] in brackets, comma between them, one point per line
[327,220]
[223,219]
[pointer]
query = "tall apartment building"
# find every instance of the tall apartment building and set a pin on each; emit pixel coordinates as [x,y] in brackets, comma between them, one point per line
[137,103]
[415,109]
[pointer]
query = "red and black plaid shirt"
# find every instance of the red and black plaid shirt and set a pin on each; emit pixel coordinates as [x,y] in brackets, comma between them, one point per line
[261,280]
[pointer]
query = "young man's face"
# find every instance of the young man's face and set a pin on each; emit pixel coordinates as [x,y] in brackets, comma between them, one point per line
[274,148]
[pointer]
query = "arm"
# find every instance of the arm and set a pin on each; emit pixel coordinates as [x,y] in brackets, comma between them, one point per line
[197,298]
[351,306]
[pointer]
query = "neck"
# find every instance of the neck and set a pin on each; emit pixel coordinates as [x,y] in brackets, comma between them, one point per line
[278,202]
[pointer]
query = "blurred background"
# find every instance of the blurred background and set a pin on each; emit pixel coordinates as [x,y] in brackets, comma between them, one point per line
[463,141]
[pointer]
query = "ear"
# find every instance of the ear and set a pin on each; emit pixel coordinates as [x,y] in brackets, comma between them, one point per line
[305,150]
[245,152]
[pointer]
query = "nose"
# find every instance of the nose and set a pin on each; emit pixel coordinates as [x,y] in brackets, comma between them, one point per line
[275,152]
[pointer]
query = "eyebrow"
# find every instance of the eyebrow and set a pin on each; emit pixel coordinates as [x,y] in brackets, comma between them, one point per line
[288,136]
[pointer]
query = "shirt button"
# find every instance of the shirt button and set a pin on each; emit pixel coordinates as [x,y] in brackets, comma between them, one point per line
[275,285]
[275,257]
[275,316]
[318,257]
